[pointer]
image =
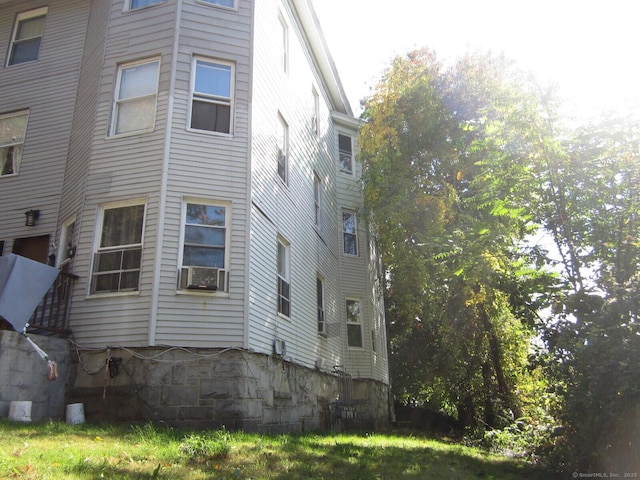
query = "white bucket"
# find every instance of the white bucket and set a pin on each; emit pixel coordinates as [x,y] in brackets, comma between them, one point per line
[20,411]
[75,413]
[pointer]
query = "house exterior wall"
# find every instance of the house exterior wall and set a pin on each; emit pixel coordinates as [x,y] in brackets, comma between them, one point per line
[47,88]
[171,164]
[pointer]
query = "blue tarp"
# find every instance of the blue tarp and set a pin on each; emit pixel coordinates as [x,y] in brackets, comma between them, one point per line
[23,283]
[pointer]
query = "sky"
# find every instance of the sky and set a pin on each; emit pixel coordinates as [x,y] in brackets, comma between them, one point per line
[590,49]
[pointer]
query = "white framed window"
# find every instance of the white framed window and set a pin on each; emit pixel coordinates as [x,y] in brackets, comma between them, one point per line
[284,45]
[136,4]
[315,117]
[282,137]
[322,328]
[212,95]
[67,246]
[118,256]
[221,3]
[27,36]
[350,233]
[354,323]
[135,97]
[205,243]
[284,277]
[317,198]
[13,128]
[345,153]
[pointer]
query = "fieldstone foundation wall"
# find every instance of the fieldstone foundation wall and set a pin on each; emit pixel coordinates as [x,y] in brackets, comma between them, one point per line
[211,388]
[23,374]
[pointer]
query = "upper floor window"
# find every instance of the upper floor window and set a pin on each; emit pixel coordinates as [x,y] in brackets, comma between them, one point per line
[284,45]
[320,301]
[354,324]
[282,136]
[134,106]
[204,250]
[27,34]
[223,3]
[315,118]
[345,151]
[118,257]
[350,233]
[317,198]
[212,96]
[284,282]
[136,4]
[13,127]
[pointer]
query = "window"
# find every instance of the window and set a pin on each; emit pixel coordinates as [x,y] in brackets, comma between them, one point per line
[116,263]
[315,117]
[212,93]
[320,300]
[345,152]
[1,247]
[13,128]
[135,4]
[350,233]
[317,197]
[67,247]
[282,135]
[204,249]
[284,45]
[354,324]
[135,97]
[223,3]
[27,34]
[284,285]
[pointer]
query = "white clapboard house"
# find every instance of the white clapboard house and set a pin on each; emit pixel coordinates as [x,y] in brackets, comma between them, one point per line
[190,166]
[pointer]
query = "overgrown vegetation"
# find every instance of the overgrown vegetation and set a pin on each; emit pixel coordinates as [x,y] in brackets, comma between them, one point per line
[512,253]
[57,451]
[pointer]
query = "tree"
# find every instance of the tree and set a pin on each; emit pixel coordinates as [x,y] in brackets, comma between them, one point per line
[445,152]
[589,194]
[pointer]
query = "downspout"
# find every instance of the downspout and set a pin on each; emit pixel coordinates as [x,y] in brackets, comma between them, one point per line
[249,190]
[155,293]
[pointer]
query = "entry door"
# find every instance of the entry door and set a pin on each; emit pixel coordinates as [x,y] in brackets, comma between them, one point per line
[35,248]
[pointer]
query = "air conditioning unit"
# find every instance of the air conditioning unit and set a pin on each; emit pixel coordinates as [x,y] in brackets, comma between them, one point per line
[202,278]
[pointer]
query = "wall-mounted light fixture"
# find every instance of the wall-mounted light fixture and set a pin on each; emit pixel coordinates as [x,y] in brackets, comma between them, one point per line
[32,216]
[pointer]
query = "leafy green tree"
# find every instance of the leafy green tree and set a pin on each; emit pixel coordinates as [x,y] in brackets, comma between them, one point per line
[446,151]
[589,194]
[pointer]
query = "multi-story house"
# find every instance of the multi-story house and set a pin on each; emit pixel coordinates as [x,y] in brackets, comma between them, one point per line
[193,164]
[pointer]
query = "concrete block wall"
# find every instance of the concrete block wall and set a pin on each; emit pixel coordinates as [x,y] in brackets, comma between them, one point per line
[211,388]
[23,374]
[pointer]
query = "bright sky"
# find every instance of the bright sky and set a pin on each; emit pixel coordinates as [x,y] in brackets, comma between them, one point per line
[589,48]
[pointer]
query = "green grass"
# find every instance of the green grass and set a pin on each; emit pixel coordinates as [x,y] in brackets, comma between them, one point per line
[52,451]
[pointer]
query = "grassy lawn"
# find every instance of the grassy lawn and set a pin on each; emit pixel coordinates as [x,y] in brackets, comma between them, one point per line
[49,451]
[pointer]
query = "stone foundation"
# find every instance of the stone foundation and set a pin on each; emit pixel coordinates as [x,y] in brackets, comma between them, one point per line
[23,374]
[198,389]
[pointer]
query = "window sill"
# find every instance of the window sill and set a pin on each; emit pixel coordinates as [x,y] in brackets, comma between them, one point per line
[215,5]
[203,293]
[113,294]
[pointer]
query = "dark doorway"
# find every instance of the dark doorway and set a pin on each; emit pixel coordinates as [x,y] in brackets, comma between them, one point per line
[35,248]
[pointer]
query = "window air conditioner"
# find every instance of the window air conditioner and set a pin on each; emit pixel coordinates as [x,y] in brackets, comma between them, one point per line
[203,278]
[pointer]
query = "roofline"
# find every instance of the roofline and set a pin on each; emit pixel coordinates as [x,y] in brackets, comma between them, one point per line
[320,51]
